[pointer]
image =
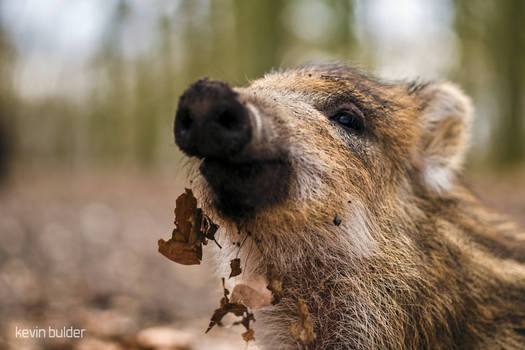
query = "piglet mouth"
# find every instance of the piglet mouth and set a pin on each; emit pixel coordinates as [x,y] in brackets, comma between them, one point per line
[242,188]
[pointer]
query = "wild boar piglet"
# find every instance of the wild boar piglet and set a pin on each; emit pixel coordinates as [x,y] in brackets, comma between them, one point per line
[349,186]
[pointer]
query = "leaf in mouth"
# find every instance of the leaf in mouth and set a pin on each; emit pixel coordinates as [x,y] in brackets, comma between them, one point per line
[192,230]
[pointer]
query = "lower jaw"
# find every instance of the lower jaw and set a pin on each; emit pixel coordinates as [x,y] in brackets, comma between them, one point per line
[240,190]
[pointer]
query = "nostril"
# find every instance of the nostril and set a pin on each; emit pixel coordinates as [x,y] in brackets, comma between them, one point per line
[227,119]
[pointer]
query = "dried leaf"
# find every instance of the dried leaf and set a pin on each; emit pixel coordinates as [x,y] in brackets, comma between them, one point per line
[247,318]
[209,228]
[180,252]
[254,294]
[275,284]
[235,265]
[235,308]
[226,307]
[188,219]
[248,335]
[302,330]
[192,229]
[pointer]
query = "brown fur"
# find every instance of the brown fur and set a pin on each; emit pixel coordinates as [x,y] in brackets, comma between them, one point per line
[417,262]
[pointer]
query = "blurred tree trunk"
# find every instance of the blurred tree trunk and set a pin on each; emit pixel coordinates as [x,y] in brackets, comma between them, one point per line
[492,38]
[109,131]
[345,41]
[508,37]
[260,35]
[7,105]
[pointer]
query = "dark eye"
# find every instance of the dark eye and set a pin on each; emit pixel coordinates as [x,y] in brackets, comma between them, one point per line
[350,119]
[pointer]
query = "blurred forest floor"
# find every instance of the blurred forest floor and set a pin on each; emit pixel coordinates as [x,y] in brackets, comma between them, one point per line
[80,249]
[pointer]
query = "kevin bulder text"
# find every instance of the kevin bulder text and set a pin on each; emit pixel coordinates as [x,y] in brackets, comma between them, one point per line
[49,332]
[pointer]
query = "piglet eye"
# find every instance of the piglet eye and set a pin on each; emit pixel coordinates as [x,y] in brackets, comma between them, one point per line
[350,120]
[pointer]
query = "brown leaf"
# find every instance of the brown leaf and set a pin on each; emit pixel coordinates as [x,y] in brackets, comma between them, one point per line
[254,294]
[248,335]
[209,228]
[180,252]
[302,330]
[226,307]
[192,229]
[188,218]
[245,321]
[275,284]
[235,265]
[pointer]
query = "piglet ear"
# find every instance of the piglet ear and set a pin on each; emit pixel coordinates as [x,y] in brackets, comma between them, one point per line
[445,123]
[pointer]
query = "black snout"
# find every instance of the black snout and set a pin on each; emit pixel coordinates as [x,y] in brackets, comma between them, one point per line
[211,121]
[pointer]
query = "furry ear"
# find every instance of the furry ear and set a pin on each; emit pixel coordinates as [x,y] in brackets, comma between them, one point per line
[445,122]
